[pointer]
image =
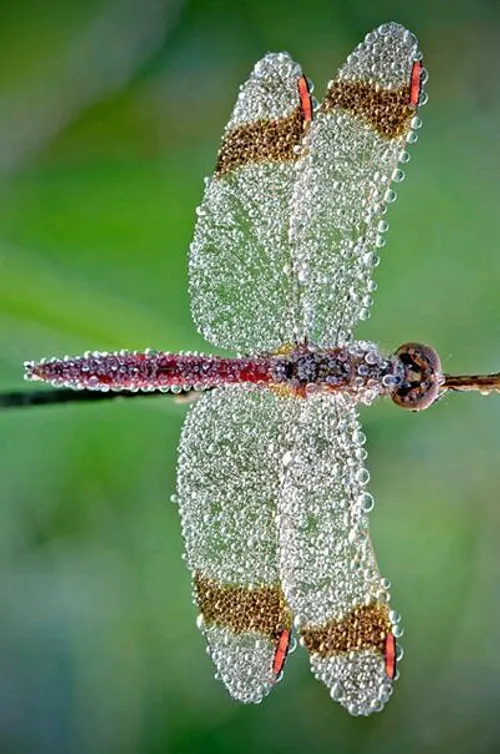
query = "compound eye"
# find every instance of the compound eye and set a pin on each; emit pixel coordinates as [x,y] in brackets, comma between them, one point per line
[421,376]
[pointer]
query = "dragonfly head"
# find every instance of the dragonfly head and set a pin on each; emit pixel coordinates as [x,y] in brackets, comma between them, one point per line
[422,377]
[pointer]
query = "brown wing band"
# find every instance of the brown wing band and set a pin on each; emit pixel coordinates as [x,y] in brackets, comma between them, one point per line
[242,609]
[366,627]
[388,111]
[261,141]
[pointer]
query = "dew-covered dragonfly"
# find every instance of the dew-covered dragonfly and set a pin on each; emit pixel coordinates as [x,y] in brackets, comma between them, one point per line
[271,482]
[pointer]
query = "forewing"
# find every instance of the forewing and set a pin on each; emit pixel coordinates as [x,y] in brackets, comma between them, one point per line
[350,157]
[328,569]
[228,475]
[240,283]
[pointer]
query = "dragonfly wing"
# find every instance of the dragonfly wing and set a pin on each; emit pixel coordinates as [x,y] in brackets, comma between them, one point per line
[228,476]
[350,157]
[240,284]
[328,570]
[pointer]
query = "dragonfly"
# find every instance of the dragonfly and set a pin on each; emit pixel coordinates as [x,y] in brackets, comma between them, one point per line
[271,479]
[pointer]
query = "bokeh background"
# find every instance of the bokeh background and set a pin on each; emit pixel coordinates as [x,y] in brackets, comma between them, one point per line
[111,114]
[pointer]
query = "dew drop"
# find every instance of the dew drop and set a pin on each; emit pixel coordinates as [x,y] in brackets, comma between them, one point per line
[366,501]
[363,476]
[337,691]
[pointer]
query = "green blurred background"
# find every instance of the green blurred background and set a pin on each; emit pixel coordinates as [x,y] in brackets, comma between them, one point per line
[111,114]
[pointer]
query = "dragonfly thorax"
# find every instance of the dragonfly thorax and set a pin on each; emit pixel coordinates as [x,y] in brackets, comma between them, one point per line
[357,369]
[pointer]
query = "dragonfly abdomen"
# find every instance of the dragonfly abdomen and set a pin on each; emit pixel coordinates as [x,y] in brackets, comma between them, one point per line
[149,370]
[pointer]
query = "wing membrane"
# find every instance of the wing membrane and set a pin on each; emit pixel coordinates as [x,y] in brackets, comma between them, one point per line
[329,573]
[228,476]
[240,271]
[350,157]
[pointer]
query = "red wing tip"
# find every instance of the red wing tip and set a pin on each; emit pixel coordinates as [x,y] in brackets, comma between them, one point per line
[305,98]
[390,656]
[282,647]
[416,83]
